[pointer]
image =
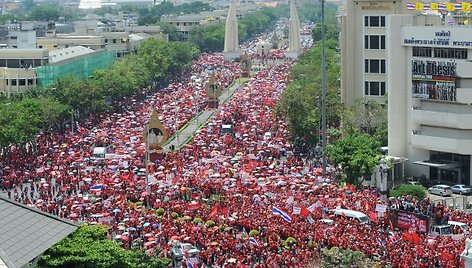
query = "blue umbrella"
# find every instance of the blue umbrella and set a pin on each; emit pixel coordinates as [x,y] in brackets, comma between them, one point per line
[131,229]
[116,210]
[146,224]
[155,225]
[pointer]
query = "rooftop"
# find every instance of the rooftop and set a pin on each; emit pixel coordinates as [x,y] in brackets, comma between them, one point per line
[25,233]
[68,53]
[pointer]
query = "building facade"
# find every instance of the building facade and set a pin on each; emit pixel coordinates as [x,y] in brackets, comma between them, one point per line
[363,48]
[429,83]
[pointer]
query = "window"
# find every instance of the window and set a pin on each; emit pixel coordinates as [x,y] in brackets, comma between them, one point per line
[374,21]
[374,88]
[374,66]
[114,41]
[422,52]
[13,82]
[374,42]
[450,53]
[22,82]
[30,82]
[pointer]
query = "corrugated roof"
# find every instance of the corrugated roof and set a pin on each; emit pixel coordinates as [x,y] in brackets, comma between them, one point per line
[26,232]
[68,53]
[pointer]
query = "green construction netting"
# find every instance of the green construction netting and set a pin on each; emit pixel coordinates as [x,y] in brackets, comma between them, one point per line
[82,67]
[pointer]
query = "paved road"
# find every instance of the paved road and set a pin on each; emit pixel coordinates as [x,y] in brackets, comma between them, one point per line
[182,136]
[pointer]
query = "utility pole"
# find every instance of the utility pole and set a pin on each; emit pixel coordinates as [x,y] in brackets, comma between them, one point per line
[323,84]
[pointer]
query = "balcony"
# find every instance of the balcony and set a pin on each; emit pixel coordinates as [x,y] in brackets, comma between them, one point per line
[442,144]
[442,119]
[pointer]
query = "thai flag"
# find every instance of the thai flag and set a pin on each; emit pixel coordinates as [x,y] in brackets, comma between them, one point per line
[253,241]
[441,6]
[277,211]
[96,187]
[458,6]
[410,6]
[426,7]
[189,264]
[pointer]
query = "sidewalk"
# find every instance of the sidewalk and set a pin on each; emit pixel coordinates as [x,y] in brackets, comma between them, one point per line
[184,135]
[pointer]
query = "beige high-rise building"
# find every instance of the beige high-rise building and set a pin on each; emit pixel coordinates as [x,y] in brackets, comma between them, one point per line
[363,47]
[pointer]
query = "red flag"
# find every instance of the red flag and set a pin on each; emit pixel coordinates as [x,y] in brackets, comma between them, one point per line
[351,187]
[213,212]
[415,238]
[304,212]
[224,211]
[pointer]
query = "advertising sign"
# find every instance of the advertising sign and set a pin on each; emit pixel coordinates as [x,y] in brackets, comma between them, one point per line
[435,80]
[408,220]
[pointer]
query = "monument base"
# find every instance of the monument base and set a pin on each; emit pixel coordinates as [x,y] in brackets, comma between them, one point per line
[292,54]
[213,104]
[231,55]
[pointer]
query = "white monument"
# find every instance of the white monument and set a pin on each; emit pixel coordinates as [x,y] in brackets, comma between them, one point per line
[231,49]
[263,48]
[467,253]
[294,37]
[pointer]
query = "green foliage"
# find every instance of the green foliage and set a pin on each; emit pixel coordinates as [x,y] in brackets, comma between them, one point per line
[369,117]
[160,211]
[44,12]
[344,258]
[210,223]
[175,215]
[89,247]
[301,101]
[253,233]
[357,154]
[209,38]
[171,31]
[197,220]
[416,191]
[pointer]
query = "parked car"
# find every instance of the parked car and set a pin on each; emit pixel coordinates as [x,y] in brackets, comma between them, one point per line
[461,189]
[440,189]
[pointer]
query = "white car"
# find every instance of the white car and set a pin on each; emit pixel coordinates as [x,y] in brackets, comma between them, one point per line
[440,189]
[461,189]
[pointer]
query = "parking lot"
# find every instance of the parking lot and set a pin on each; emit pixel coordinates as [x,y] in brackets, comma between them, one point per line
[456,200]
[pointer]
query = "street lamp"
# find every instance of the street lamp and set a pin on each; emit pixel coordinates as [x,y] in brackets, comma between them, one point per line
[323,85]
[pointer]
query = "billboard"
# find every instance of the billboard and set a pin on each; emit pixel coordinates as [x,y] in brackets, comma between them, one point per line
[409,220]
[435,80]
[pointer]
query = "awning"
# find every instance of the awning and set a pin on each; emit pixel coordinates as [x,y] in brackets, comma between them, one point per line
[396,159]
[438,164]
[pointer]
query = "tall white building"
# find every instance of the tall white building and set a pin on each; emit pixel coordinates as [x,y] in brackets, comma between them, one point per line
[363,47]
[429,84]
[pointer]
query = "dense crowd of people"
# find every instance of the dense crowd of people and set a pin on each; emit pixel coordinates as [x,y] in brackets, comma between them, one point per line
[217,190]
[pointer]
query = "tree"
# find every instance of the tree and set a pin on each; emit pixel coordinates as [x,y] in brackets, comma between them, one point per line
[416,191]
[44,12]
[171,31]
[357,154]
[369,117]
[89,247]
[300,103]
[344,258]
